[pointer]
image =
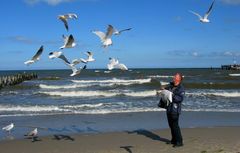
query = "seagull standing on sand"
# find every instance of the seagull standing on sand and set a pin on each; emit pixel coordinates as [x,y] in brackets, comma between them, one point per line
[204,19]
[8,128]
[65,60]
[32,134]
[116,32]
[65,17]
[89,59]
[69,42]
[105,37]
[36,57]
[114,63]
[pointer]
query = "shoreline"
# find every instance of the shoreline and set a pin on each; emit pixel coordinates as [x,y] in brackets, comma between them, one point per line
[104,123]
[215,139]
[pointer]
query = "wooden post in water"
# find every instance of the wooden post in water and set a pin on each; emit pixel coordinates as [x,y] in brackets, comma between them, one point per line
[12,80]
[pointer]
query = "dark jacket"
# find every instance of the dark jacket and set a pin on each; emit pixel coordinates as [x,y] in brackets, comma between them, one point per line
[177,98]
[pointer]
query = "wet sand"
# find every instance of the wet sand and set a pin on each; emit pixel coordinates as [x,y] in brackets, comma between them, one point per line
[196,140]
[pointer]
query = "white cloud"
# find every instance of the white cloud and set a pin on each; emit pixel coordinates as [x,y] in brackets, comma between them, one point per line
[54,2]
[50,2]
[229,53]
[231,2]
[195,54]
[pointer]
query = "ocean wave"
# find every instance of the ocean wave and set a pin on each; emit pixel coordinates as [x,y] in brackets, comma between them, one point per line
[79,93]
[218,94]
[7,108]
[72,86]
[84,105]
[116,81]
[27,111]
[142,94]
[160,76]
[101,83]
[99,93]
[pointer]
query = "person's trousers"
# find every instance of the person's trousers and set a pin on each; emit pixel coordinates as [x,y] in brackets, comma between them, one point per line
[175,129]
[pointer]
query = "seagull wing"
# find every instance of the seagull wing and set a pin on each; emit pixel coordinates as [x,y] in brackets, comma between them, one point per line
[199,16]
[64,20]
[70,40]
[122,67]
[83,60]
[125,30]
[37,55]
[76,61]
[100,34]
[209,10]
[72,16]
[110,31]
[64,59]
[89,53]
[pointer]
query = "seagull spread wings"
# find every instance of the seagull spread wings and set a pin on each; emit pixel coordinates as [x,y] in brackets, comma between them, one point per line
[209,10]
[65,17]
[36,57]
[109,31]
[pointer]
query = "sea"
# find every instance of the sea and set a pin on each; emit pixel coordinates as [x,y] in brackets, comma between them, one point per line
[99,100]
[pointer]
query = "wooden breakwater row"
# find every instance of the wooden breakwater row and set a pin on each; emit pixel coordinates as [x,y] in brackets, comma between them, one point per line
[11,80]
[231,67]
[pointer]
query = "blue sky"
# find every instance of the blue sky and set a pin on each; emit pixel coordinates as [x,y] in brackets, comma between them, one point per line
[164,34]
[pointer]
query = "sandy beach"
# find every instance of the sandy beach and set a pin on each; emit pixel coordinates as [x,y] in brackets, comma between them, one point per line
[199,140]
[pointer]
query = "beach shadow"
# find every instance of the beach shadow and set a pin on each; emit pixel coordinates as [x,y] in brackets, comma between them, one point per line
[149,134]
[127,148]
[34,139]
[63,137]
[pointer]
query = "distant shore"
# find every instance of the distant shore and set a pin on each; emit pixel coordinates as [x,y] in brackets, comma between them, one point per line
[196,140]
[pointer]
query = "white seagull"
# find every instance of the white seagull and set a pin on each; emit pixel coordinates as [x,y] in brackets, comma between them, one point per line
[60,55]
[105,37]
[118,32]
[36,57]
[77,71]
[65,17]
[8,128]
[69,42]
[89,59]
[71,65]
[204,19]
[32,134]
[114,63]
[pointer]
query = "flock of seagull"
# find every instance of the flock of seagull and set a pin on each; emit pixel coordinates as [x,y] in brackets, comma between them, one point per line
[70,43]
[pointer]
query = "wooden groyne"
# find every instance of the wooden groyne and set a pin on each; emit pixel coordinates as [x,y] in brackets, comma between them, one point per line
[231,67]
[12,80]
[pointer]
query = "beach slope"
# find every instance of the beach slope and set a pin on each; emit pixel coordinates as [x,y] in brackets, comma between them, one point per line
[199,140]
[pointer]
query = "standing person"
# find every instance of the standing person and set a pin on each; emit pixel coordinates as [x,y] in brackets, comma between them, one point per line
[174,109]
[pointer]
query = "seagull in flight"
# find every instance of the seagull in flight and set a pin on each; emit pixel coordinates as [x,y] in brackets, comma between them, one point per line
[114,63]
[204,19]
[77,71]
[36,57]
[105,37]
[8,128]
[89,59]
[65,17]
[118,32]
[60,55]
[69,42]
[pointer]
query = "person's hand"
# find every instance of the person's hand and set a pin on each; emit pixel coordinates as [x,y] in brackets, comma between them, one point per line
[162,88]
[157,93]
